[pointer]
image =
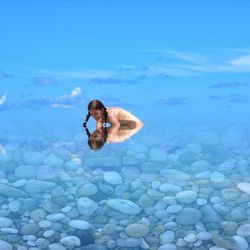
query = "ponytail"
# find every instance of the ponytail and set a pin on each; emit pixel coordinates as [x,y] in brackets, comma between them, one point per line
[86,119]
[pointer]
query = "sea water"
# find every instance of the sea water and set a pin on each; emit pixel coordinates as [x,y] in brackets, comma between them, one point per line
[182,182]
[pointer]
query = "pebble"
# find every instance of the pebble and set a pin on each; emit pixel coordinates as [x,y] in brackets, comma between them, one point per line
[71,241]
[112,177]
[14,206]
[124,206]
[79,224]
[5,245]
[5,222]
[188,216]
[55,217]
[48,233]
[44,223]
[137,230]
[241,242]
[56,246]
[86,206]
[167,237]
[9,230]
[186,197]
[173,209]
[217,177]
[169,188]
[191,238]
[244,230]
[244,187]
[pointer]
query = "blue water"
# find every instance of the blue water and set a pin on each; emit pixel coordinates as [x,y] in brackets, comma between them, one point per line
[173,185]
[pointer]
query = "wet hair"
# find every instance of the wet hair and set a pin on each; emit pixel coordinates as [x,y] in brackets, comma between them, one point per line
[96,144]
[95,104]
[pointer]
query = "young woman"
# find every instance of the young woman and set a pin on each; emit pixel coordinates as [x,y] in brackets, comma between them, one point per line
[123,123]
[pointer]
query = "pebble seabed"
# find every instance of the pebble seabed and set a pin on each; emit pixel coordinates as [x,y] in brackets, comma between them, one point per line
[181,195]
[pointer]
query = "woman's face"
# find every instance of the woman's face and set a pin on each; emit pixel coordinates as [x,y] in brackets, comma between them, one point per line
[97,135]
[97,114]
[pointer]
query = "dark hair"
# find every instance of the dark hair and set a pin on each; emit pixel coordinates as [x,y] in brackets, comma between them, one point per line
[95,104]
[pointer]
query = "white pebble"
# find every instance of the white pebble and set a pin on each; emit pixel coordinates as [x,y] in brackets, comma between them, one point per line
[191,237]
[9,230]
[48,233]
[44,223]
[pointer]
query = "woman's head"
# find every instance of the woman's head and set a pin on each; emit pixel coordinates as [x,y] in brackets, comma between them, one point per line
[97,110]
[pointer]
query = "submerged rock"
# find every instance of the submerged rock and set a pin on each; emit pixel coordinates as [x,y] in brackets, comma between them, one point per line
[124,206]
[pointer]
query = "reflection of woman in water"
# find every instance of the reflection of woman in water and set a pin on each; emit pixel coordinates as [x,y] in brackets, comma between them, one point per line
[123,124]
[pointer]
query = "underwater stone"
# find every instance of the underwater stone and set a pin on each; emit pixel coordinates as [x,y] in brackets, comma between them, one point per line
[176,175]
[25,171]
[173,209]
[124,206]
[56,246]
[30,228]
[169,188]
[207,137]
[168,246]
[112,177]
[86,206]
[244,187]
[241,242]
[188,216]
[244,230]
[55,217]
[209,214]
[38,215]
[71,241]
[88,189]
[45,172]
[230,194]
[224,242]
[217,177]
[38,186]
[11,192]
[167,237]
[186,197]
[5,222]
[5,245]
[53,160]
[194,148]
[158,155]
[79,224]
[33,158]
[14,206]
[137,230]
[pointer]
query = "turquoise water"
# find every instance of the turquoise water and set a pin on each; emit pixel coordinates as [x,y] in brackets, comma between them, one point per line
[182,182]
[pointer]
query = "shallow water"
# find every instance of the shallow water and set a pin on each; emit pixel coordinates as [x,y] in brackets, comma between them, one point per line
[182,182]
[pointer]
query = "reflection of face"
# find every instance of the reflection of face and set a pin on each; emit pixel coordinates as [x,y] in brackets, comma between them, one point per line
[96,113]
[97,135]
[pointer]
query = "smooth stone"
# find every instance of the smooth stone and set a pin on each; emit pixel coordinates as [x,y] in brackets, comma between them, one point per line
[88,189]
[11,192]
[14,206]
[30,228]
[244,230]
[38,186]
[186,197]
[79,224]
[167,237]
[158,155]
[230,194]
[200,165]
[112,177]
[207,138]
[33,158]
[237,214]
[168,246]
[24,171]
[137,230]
[4,245]
[5,222]
[169,188]
[104,161]
[230,228]
[217,177]
[44,223]
[173,209]
[204,235]
[128,242]
[19,183]
[210,215]
[71,241]
[224,242]
[55,217]
[244,187]
[175,175]
[9,230]
[201,202]
[191,238]
[188,216]
[38,215]
[86,206]
[124,206]
[241,242]
[203,175]
[42,243]
[53,160]
[48,233]
[56,246]
[45,172]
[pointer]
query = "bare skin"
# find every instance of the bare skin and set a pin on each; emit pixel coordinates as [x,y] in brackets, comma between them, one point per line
[123,123]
